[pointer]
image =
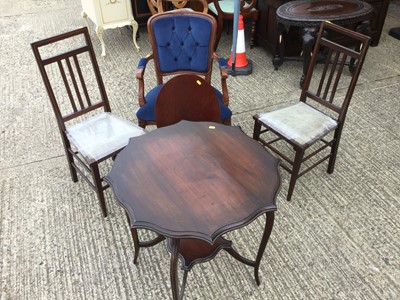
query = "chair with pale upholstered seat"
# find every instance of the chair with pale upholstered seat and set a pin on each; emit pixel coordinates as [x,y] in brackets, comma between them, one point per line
[89,131]
[315,123]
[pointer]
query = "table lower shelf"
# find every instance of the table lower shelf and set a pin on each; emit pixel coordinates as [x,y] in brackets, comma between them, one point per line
[193,251]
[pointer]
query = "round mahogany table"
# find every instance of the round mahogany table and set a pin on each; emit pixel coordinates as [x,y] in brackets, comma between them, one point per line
[192,182]
[308,15]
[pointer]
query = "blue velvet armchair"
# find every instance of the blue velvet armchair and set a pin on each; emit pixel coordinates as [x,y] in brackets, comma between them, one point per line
[182,43]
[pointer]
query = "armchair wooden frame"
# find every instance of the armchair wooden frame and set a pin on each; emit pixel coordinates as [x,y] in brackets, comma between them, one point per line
[153,55]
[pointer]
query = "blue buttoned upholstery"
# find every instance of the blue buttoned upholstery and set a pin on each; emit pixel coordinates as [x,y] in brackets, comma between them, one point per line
[182,42]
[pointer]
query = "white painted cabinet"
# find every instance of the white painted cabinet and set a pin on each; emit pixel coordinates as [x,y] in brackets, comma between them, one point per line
[108,14]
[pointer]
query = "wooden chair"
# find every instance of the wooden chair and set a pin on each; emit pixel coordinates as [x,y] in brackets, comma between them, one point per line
[186,97]
[316,121]
[223,11]
[75,87]
[182,43]
[157,6]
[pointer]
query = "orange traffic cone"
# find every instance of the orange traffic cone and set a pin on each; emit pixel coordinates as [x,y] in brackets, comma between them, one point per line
[243,66]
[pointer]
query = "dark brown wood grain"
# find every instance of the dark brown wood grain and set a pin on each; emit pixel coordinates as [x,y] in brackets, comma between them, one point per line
[267,27]
[192,182]
[185,181]
[186,97]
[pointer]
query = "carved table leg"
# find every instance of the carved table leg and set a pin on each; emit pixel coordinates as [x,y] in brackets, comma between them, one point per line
[269,223]
[308,37]
[277,60]
[135,27]
[183,285]
[138,244]
[135,239]
[99,32]
[174,269]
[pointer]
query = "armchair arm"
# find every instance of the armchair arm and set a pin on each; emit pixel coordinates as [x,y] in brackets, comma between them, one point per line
[222,64]
[140,77]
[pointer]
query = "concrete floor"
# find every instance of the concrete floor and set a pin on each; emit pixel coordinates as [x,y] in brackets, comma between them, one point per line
[337,239]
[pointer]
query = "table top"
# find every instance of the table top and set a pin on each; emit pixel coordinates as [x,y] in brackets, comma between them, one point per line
[310,13]
[194,180]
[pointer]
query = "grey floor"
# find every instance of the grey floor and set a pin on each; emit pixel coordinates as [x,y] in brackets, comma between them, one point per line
[337,239]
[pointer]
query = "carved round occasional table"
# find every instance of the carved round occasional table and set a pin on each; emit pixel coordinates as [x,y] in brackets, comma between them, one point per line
[191,183]
[308,15]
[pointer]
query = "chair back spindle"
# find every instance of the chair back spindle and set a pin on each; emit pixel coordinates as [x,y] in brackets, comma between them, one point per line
[332,81]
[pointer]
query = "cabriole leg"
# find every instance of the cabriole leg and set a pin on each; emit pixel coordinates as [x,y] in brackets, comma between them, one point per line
[99,32]
[135,27]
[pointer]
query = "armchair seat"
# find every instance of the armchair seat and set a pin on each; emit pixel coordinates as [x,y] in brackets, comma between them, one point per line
[102,135]
[147,112]
[299,123]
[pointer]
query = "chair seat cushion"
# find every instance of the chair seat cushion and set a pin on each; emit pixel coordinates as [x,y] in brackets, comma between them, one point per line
[299,122]
[227,6]
[146,112]
[101,135]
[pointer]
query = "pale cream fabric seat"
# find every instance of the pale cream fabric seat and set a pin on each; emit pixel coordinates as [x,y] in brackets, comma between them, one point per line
[101,135]
[299,122]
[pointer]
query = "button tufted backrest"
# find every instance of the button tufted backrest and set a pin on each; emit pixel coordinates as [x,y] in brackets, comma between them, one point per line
[182,41]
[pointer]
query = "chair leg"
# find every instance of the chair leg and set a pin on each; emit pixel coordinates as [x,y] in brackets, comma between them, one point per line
[220,23]
[334,149]
[256,130]
[295,172]
[99,187]
[72,171]
[70,158]
[142,124]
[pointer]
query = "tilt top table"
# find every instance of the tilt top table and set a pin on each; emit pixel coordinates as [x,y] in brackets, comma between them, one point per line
[308,15]
[192,182]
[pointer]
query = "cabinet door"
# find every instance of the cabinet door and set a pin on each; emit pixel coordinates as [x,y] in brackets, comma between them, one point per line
[114,10]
